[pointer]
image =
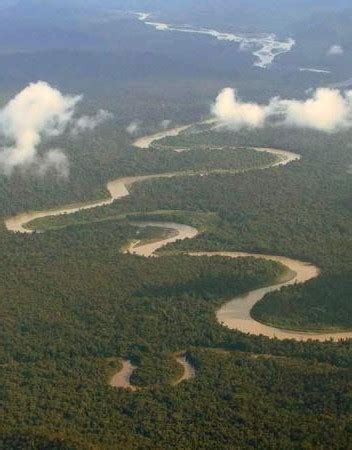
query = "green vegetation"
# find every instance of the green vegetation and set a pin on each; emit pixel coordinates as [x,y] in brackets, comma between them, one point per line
[154,371]
[82,270]
[72,304]
[236,398]
[308,217]
[91,304]
[329,305]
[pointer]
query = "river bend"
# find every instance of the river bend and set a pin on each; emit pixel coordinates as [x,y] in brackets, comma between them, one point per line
[234,314]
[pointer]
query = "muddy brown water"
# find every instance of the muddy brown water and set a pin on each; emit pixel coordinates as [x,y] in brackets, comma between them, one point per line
[235,314]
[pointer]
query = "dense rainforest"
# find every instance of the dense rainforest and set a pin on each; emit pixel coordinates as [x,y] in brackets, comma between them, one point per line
[72,305]
[91,305]
[301,210]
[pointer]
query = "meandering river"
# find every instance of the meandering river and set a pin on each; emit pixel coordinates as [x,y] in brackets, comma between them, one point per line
[122,378]
[235,314]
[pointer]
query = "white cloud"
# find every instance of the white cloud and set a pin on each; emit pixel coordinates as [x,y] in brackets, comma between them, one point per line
[38,111]
[232,111]
[165,124]
[326,110]
[133,127]
[53,160]
[335,50]
[89,123]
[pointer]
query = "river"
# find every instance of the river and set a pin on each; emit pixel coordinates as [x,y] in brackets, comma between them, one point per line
[235,314]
